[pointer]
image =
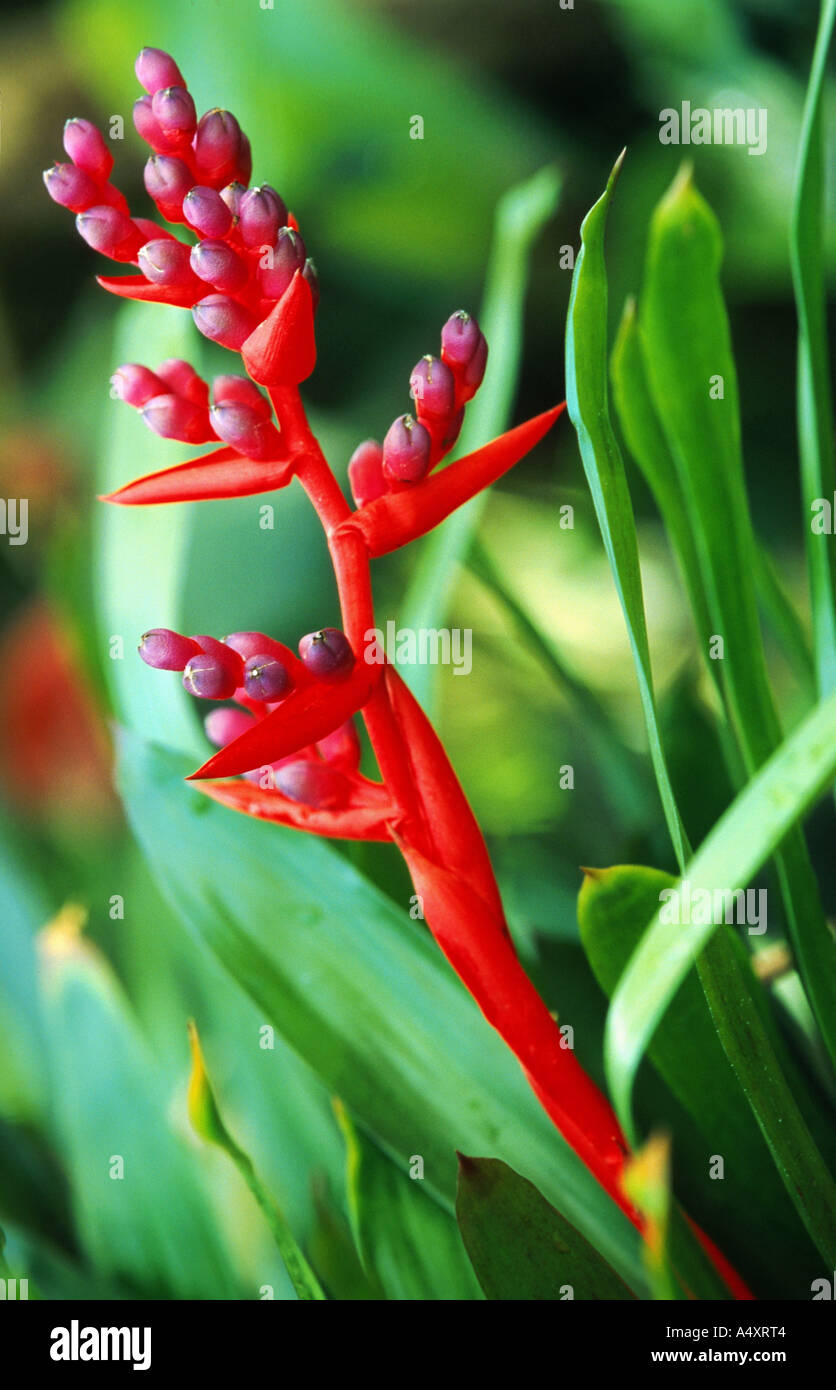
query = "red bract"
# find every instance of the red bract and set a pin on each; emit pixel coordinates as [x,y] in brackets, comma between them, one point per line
[289,737]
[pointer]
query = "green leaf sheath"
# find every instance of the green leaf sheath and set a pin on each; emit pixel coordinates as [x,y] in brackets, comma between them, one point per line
[587,399]
[739,844]
[815,411]
[687,351]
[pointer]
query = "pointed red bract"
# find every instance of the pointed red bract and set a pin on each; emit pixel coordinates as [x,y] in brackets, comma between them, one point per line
[400,517]
[366,817]
[137,287]
[282,350]
[223,473]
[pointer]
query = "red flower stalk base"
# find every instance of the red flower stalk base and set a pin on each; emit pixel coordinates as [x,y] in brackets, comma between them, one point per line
[289,739]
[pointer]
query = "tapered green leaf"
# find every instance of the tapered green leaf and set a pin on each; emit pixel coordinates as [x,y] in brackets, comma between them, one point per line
[753,1222]
[521,1247]
[357,989]
[815,410]
[738,845]
[690,367]
[410,1245]
[587,399]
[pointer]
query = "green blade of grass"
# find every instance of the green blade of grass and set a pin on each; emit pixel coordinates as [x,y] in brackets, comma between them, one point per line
[743,839]
[587,398]
[815,412]
[686,343]
[520,215]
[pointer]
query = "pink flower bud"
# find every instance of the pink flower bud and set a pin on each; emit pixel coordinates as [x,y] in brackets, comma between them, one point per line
[166,650]
[453,429]
[136,385]
[243,168]
[218,147]
[86,147]
[327,654]
[206,211]
[310,782]
[149,129]
[432,386]
[232,195]
[173,110]
[248,644]
[219,265]
[172,417]
[228,657]
[166,262]
[342,747]
[224,725]
[71,187]
[459,339]
[365,472]
[167,181]
[406,451]
[281,262]
[208,678]
[156,69]
[108,230]
[266,678]
[261,214]
[246,430]
[181,378]
[309,273]
[224,320]
[226,389]
[474,371]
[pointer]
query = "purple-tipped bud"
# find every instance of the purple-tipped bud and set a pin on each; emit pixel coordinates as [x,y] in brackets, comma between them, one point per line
[227,655]
[166,262]
[218,147]
[156,69]
[136,385]
[71,187]
[167,181]
[406,451]
[149,129]
[279,263]
[310,782]
[327,654]
[232,195]
[365,472]
[309,273]
[266,679]
[432,386]
[474,371]
[459,339]
[248,644]
[208,678]
[166,650]
[181,378]
[172,417]
[206,211]
[246,430]
[226,389]
[341,748]
[108,230]
[86,147]
[261,214]
[224,725]
[173,110]
[224,321]
[243,169]
[219,266]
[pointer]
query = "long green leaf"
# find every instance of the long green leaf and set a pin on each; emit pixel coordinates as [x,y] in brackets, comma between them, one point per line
[815,411]
[587,398]
[520,215]
[358,990]
[521,1247]
[690,366]
[739,844]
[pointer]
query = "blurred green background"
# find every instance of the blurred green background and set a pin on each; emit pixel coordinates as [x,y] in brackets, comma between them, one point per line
[401,232]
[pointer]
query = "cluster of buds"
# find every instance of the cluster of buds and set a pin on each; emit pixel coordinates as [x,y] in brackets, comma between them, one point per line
[440,388]
[248,246]
[175,403]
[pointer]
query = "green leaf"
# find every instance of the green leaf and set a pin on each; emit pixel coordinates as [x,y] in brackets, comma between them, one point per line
[739,844]
[687,352]
[753,1222]
[152,1226]
[521,1247]
[357,989]
[23,1080]
[520,215]
[409,1245]
[587,399]
[815,411]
